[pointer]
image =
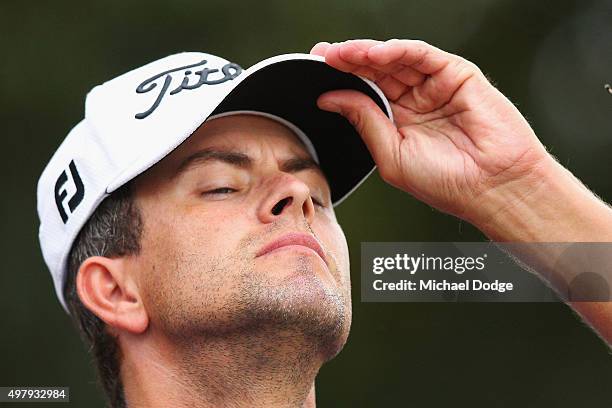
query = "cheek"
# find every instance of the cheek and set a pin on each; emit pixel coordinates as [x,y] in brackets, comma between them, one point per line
[174,242]
[211,228]
[332,236]
[182,258]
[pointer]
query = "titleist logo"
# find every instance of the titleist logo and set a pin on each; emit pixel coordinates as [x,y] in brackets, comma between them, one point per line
[229,71]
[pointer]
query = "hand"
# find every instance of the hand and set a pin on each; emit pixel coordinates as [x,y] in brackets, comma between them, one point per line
[457,143]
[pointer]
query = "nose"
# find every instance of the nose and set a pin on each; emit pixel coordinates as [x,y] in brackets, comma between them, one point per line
[288,196]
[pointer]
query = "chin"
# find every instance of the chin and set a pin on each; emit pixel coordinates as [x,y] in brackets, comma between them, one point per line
[305,303]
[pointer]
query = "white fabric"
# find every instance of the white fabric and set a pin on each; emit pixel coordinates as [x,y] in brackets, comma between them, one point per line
[298,132]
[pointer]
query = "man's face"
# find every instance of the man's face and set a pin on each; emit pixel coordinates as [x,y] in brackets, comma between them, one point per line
[212,208]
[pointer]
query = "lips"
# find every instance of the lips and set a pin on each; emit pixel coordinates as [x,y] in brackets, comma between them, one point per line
[294,238]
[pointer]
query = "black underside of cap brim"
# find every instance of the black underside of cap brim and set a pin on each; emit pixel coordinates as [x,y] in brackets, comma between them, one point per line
[290,89]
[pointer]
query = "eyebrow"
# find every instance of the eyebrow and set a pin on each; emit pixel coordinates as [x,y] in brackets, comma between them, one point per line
[207,155]
[244,161]
[296,164]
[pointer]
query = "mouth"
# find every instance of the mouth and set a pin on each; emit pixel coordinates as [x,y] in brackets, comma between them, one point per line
[293,239]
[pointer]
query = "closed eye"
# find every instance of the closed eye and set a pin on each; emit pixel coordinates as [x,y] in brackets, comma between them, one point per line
[228,190]
[317,202]
[221,190]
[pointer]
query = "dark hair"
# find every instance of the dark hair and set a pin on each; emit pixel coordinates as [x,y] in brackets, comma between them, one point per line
[114,230]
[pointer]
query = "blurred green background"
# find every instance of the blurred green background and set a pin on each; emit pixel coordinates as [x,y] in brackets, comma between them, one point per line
[551,58]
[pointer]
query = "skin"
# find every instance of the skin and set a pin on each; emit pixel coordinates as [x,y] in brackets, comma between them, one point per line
[196,310]
[198,313]
[461,146]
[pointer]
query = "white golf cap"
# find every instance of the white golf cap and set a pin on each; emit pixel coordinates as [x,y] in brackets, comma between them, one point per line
[134,120]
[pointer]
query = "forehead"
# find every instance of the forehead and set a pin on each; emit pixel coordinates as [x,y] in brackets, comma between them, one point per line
[247,134]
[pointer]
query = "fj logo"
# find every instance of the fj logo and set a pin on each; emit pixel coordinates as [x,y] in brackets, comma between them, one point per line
[61,193]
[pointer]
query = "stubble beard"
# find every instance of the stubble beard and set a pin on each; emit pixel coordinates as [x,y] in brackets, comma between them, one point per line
[301,314]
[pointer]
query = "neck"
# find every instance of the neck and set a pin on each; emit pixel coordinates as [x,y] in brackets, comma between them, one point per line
[263,370]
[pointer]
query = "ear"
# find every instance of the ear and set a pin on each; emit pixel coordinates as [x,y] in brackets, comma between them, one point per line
[105,288]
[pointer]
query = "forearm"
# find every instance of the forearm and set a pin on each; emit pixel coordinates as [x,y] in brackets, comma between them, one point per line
[552,206]
[556,208]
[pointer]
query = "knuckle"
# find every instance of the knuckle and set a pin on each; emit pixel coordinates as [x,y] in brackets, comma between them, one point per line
[420,43]
[355,118]
[473,67]
[467,69]
[468,65]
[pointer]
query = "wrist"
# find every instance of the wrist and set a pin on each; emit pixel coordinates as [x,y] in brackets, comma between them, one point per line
[548,204]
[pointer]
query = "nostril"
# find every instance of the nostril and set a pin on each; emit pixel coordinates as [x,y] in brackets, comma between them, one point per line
[278,208]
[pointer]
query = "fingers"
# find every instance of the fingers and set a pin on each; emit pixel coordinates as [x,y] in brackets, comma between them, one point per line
[412,73]
[376,129]
[391,87]
[353,56]
[419,55]
[354,51]
[405,59]
[328,51]
[337,53]
[320,48]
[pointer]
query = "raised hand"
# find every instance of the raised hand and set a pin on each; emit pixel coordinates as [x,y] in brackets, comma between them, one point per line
[456,142]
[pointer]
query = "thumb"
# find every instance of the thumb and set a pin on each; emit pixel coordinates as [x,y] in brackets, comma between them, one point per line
[375,128]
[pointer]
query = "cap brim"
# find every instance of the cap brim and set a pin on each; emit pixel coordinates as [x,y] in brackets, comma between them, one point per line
[289,86]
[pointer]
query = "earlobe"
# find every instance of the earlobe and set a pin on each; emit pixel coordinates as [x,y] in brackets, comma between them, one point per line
[107,290]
